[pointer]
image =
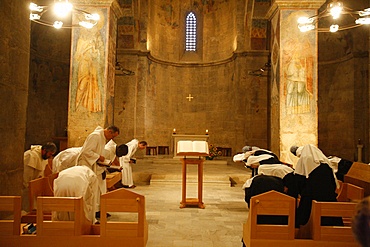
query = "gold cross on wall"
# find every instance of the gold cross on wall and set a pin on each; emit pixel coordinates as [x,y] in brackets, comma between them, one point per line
[190,97]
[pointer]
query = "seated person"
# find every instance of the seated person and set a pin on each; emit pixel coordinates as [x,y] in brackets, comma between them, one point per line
[313,179]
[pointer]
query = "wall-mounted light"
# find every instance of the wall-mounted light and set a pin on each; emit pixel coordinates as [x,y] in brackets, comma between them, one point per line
[62,18]
[335,10]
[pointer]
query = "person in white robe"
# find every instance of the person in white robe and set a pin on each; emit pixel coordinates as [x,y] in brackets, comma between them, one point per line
[65,159]
[315,179]
[93,151]
[34,162]
[77,181]
[126,161]
[310,157]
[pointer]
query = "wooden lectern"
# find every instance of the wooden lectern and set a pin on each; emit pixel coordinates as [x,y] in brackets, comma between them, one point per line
[194,150]
[359,174]
[192,201]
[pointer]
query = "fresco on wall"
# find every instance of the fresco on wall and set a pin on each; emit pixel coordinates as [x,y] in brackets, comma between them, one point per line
[126,29]
[297,58]
[87,89]
[169,14]
[258,34]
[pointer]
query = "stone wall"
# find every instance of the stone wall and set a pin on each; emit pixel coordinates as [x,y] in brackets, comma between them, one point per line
[344,86]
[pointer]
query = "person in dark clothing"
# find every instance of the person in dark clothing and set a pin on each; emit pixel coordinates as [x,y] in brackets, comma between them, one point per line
[261,184]
[343,168]
[313,179]
[320,186]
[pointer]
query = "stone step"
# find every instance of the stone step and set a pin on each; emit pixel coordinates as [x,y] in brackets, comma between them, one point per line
[222,180]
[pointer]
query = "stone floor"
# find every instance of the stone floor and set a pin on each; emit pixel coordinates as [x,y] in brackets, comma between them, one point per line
[218,225]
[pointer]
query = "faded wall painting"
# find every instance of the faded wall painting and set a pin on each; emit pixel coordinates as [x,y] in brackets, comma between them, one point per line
[297,60]
[88,68]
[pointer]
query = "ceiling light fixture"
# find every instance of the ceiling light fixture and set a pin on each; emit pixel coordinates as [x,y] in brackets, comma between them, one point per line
[62,18]
[335,10]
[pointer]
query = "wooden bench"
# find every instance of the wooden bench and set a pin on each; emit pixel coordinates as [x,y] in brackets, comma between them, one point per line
[38,187]
[359,174]
[123,200]
[12,205]
[350,193]
[112,179]
[331,233]
[311,235]
[74,205]
[81,232]
[269,203]
[151,150]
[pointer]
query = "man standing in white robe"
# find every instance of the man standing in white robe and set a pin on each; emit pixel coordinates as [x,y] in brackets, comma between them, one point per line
[93,151]
[126,161]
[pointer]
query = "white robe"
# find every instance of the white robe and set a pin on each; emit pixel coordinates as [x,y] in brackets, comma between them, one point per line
[277,170]
[91,150]
[66,159]
[125,164]
[110,150]
[74,182]
[33,164]
[310,157]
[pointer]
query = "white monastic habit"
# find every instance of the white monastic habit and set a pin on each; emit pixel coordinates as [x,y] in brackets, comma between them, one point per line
[74,182]
[91,150]
[126,165]
[34,164]
[110,150]
[66,159]
[310,157]
[277,170]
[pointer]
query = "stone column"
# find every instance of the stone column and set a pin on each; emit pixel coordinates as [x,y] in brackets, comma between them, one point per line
[294,116]
[92,75]
[14,73]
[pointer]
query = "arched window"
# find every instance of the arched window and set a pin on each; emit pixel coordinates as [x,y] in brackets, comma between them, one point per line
[191,32]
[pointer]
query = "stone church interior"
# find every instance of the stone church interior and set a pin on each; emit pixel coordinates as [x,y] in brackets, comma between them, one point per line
[266,73]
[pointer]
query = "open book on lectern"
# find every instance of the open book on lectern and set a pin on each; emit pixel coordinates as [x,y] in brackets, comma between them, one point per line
[192,148]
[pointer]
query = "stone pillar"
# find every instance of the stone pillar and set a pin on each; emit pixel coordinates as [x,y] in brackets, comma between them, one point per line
[92,75]
[294,116]
[14,73]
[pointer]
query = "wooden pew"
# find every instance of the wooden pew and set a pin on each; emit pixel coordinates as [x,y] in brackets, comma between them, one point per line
[112,179]
[270,203]
[359,174]
[350,193]
[130,233]
[79,226]
[10,204]
[38,187]
[311,235]
[80,232]
[333,235]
